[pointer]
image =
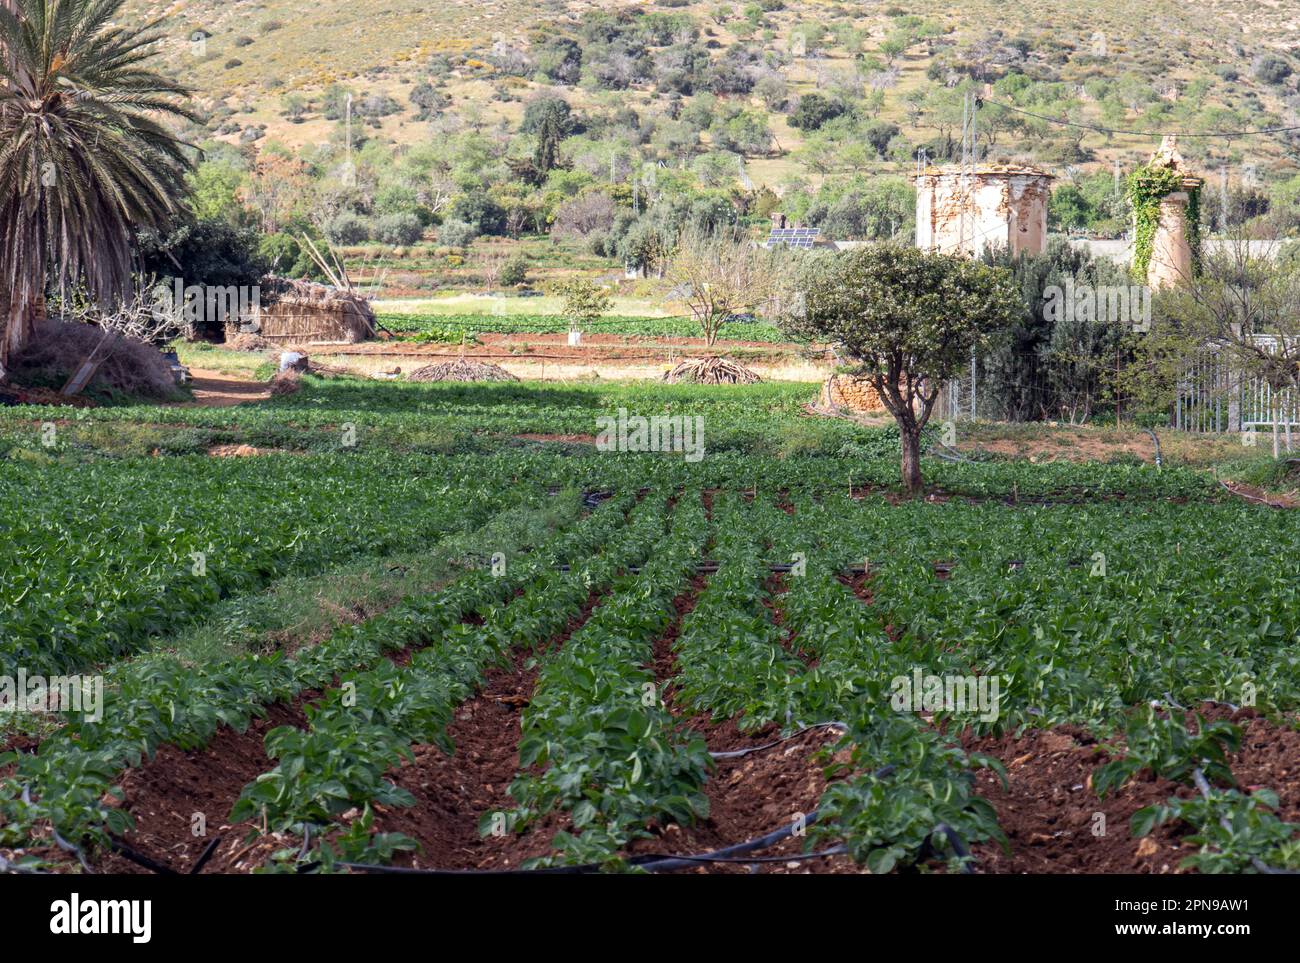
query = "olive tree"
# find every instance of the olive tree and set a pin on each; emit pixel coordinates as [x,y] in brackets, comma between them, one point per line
[909,319]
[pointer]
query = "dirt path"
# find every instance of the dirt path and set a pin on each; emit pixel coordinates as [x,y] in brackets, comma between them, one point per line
[216,389]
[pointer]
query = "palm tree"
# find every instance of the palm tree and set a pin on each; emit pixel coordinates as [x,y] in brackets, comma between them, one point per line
[85,159]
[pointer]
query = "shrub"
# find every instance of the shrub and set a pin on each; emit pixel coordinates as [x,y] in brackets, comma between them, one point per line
[347,227]
[813,111]
[457,233]
[1272,69]
[514,271]
[487,216]
[402,227]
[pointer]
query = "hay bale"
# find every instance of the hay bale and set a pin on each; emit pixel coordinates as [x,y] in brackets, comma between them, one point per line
[711,371]
[285,383]
[462,369]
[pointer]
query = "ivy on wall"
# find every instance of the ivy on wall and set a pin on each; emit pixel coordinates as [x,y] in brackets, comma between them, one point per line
[1147,187]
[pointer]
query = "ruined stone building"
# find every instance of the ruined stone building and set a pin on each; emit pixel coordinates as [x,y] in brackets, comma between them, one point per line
[1004,206]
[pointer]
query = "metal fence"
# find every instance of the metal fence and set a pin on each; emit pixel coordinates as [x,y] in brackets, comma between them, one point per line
[1212,396]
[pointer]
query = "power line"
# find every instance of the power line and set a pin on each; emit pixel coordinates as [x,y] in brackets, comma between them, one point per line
[1143,133]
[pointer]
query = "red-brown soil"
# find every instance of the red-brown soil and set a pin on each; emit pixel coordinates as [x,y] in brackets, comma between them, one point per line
[523,346]
[1048,808]
[165,793]
[453,792]
[214,389]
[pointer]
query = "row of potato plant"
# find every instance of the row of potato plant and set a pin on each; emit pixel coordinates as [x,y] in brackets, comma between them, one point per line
[598,741]
[367,724]
[157,700]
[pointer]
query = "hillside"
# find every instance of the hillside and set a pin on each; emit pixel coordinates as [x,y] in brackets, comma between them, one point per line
[267,66]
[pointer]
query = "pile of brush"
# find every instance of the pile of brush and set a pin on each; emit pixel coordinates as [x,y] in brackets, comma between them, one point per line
[711,371]
[462,369]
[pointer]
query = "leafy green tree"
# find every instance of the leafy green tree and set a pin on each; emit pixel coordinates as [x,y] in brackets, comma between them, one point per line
[206,253]
[287,257]
[214,192]
[1055,363]
[584,301]
[548,111]
[814,110]
[909,319]
[1068,209]
[85,159]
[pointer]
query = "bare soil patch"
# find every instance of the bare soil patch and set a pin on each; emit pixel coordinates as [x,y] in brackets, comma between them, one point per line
[165,793]
[213,389]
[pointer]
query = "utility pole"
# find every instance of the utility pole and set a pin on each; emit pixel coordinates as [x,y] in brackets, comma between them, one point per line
[1223,198]
[967,242]
[347,130]
[969,158]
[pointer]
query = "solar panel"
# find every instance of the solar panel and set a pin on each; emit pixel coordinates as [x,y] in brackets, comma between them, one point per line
[794,236]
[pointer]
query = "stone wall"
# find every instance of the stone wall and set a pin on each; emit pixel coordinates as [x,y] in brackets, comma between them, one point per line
[855,394]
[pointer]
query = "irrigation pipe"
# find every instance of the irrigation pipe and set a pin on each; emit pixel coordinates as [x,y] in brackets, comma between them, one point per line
[9,867]
[1156,439]
[140,859]
[654,863]
[741,753]
[838,850]
[205,856]
[1253,498]
[948,454]
[958,845]
[62,843]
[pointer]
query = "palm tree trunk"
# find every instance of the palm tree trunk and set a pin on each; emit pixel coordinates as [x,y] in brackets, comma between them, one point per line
[15,321]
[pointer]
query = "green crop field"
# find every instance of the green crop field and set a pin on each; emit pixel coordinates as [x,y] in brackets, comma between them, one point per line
[677,611]
[648,437]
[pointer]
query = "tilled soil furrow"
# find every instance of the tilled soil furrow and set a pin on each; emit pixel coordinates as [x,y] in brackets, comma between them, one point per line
[453,792]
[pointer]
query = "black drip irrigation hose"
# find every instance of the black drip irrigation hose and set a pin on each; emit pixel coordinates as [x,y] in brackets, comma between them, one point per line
[650,862]
[593,499]
[140,859]
[958,846]
[205,856]
[663,863]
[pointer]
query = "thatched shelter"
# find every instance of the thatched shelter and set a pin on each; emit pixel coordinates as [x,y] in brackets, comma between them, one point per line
[305,311]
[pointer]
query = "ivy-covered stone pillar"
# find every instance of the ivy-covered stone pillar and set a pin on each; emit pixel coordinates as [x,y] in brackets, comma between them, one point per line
[1166,219]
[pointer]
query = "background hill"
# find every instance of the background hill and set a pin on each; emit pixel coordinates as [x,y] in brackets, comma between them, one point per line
[1141,64]
[605,126]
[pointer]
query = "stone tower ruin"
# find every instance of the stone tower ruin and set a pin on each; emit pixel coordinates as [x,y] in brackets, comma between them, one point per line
[1004,206]
[1171,251]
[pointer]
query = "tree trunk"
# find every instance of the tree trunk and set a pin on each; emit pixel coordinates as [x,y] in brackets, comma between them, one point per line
[18,326]
[909,438]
